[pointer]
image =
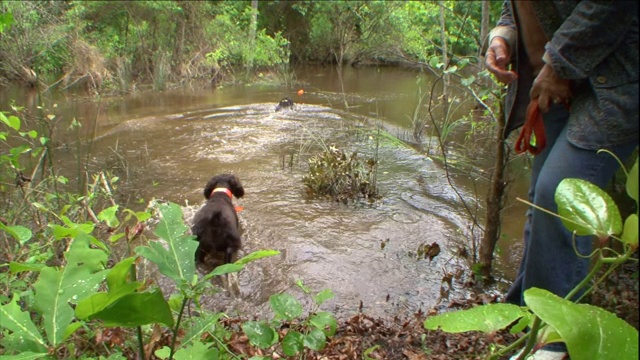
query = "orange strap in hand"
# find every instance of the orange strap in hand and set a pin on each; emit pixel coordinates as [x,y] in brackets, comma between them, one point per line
[532,137]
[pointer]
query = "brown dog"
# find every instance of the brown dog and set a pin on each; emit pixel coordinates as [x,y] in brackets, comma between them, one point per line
[216,224]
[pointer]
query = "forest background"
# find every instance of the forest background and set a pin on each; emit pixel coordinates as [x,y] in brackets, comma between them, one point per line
[114,45]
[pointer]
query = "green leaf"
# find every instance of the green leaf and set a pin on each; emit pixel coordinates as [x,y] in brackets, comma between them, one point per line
[19,322]
[56,288]
[315,340]
[485,318]
[468,81]
[11,121]
[122,305]
[200,326]
[196,351]
[225,269]
[324,321]
[15,267]
[20,233]
[108,215]
[632,182]
[303,287]
[292,343]
[586,329]
[630,233]
[257,255]
[285,306]
[137,309]
[323,296]
[24,356]
[177,262]
[260,334]
[119,286]
[587,209]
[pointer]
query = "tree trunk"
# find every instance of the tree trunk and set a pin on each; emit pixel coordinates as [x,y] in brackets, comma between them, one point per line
[495,201]
[484,30]
[252,35]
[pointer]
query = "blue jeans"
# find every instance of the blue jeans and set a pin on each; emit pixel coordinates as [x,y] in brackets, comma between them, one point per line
[549,261]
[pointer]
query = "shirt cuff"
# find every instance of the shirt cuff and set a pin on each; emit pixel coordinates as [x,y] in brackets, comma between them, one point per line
[506,33]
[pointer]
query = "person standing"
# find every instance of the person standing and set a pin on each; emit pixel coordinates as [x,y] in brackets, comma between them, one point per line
[579,60]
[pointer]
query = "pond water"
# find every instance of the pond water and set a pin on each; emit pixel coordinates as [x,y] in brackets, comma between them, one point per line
[167,145]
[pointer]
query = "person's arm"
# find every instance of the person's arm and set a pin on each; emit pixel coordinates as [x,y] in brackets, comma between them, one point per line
[592,32]
[502,42]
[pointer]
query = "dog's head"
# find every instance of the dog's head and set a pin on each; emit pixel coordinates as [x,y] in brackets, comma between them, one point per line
[226,181]
[284,103]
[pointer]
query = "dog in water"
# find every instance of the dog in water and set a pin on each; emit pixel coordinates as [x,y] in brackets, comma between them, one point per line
[216,224]
[285,103]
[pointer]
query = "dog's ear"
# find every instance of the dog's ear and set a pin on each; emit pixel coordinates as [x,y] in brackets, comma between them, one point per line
[210,186]
[236,187]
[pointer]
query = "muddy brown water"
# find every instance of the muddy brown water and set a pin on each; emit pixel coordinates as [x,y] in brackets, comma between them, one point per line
[169,144]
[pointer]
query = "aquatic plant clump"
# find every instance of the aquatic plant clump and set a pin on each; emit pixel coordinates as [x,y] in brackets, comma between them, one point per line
[342,178]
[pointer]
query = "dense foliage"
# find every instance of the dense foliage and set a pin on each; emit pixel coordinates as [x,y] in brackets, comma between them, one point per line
[118,44]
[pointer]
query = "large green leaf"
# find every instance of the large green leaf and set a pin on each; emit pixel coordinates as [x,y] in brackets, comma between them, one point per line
[119,286]
[285,306]
[587,330]
[485,318]
[177,261]
[19,322]
[324,321]
[292,343]
[136,309]
[587,209]
[632,182]
[260,334]
[315,340]
[56,288]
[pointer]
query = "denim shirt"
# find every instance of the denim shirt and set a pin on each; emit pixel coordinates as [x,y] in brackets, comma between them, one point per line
[594,44]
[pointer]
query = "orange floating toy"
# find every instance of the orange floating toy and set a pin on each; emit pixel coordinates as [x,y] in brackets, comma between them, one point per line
[300,92]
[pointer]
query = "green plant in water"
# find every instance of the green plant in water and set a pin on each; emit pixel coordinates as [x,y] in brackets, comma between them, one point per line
[340,177]
[304,332]
[585,209]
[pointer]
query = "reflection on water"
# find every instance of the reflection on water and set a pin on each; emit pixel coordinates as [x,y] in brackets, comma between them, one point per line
[172,143]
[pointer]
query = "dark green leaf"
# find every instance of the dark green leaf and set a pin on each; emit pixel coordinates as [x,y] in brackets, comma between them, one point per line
[292,343]
[260,334]
[285,306]
[137,309]
[315,340]
[324,321]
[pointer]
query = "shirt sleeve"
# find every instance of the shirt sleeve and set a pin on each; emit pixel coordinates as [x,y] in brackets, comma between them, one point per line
[591,33]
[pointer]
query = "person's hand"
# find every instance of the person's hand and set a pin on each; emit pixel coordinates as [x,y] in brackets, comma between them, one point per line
[548,87]
[497,58]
